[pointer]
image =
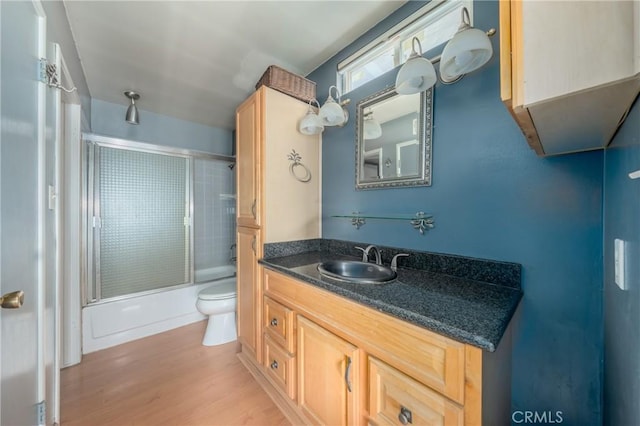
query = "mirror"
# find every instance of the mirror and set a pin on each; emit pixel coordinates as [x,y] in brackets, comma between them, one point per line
[393,140]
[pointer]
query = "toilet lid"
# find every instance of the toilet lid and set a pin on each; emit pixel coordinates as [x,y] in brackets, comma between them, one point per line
[224,290]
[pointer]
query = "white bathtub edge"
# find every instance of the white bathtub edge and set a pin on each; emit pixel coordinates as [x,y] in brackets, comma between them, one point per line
[110,324]
[95,344]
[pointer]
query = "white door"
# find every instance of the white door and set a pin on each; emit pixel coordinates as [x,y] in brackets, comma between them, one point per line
[22,211]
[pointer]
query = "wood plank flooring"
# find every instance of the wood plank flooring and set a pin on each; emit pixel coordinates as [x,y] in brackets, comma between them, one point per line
[166,379]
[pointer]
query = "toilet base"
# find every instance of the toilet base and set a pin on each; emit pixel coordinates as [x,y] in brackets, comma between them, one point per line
[221,329]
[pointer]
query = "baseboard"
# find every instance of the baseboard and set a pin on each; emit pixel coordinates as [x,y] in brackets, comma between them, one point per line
[286,405]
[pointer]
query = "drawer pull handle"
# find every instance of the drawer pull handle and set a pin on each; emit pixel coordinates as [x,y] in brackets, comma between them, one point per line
[346,374]
[274,365]
[274,322]
[405,415]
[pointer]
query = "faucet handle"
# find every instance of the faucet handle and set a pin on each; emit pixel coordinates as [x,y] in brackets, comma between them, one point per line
[394,261]
[365,254]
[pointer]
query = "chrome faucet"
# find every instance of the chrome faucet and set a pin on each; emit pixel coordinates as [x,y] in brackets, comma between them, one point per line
[394,261]
[376,251]
[365,253]
[365,256]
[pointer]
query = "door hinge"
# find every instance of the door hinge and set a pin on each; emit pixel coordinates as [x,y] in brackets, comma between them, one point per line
[41,412]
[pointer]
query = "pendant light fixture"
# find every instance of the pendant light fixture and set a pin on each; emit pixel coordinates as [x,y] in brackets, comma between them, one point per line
[468,50]
[311,123]
[132,112]
[417,74]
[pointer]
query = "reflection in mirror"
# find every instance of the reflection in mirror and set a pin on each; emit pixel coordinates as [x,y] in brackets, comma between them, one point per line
[393,140]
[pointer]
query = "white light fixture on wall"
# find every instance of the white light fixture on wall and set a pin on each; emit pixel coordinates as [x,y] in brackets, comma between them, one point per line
[132,112]
[333,113]
[311,123]
[417,74]
[372,129]
[468,50]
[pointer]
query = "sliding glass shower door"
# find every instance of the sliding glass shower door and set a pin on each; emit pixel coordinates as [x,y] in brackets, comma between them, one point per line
[141,220]
[156,218]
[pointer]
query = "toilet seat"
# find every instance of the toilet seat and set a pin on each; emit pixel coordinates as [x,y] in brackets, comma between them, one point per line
[219,291]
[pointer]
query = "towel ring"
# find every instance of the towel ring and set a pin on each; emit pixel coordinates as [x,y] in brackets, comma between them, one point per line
[298,170]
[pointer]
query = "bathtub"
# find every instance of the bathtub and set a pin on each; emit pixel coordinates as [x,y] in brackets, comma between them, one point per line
[113,323]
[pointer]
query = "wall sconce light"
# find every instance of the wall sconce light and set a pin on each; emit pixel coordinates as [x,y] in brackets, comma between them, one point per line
[311,123]
[371,127]
[132,112]
[417,74]
[468,50]
[333,113]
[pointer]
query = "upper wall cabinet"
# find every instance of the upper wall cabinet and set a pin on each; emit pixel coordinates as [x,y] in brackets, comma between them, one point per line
[247,157]
[569,70]
[278,168]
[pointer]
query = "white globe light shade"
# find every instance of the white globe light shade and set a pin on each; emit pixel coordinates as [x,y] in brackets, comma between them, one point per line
[372,129]
[415,76]
[331,113]
[310,124]
[467,51]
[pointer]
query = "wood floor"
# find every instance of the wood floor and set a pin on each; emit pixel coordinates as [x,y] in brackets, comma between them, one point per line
[166,379]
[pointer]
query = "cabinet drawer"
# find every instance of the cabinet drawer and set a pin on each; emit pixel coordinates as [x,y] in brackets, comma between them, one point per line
[280,367]
[278,323]
[393,395]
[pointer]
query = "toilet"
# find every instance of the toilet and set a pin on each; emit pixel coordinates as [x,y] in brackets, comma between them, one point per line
[218,301]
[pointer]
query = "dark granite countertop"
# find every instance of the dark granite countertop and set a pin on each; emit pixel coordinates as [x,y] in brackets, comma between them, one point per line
[465,309]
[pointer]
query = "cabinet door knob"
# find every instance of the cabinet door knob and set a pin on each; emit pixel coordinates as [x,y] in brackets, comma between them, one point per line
[274,365]
[405,416]
[274,322]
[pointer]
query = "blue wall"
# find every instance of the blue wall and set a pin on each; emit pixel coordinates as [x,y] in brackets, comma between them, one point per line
[492,197]
[108,119]
[622,308]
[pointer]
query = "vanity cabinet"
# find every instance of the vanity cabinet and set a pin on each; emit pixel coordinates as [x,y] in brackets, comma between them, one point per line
[569,70]
[355,365]
[272,203]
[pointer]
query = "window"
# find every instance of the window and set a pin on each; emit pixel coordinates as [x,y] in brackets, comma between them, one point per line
[434,24]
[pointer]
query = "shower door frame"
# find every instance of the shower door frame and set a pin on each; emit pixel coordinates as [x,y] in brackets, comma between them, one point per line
[91,235]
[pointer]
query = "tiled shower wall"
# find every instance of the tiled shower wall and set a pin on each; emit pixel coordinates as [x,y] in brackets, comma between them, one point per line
[214,213]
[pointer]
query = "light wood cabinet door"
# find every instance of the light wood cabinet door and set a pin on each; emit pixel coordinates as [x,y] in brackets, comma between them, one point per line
[248,134]
[328,376]
[249,291]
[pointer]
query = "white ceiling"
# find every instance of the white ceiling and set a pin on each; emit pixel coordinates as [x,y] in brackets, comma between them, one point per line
[199,60]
